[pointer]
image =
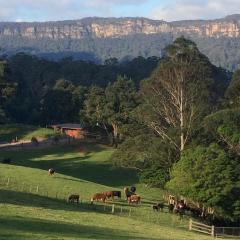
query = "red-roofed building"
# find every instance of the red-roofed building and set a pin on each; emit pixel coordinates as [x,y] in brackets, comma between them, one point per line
[71,130]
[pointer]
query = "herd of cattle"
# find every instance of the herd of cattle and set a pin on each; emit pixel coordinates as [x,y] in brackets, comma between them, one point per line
[174,205]
[131,196]
[178,207]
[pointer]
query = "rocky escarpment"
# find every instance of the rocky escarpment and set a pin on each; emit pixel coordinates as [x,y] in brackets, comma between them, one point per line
[118,27]
[98,39]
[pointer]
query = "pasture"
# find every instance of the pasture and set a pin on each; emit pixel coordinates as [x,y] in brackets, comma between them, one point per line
[23,132]
[42,213]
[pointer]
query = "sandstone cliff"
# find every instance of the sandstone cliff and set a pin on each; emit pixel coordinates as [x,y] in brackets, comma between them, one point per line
[114,28]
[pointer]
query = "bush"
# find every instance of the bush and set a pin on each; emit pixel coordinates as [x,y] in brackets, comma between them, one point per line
[7,160]
[154,177]
[34,141]
[55,139]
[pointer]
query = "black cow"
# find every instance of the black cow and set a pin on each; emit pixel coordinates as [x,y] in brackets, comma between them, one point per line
[158,206]
[128,193]
[170,208]
[133,189]
[116,194]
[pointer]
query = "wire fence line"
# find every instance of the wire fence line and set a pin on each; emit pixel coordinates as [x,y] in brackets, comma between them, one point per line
[227,232]
[120,208]
[40,191]
[116,207]
[216,232]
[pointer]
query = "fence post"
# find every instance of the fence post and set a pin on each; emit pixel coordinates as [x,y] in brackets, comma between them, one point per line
[130,210]
[37,189]
[113,208]
[213,231]
[8,180]
[190,224]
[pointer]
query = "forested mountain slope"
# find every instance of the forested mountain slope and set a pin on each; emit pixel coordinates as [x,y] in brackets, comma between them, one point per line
[97,39]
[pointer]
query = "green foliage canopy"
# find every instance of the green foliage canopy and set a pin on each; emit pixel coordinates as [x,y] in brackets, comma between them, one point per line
[210,176]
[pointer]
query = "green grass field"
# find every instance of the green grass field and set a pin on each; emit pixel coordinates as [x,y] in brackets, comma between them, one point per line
[23,132]
[33,206]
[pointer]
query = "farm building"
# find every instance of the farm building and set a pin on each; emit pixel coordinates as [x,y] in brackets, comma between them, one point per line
[71,130]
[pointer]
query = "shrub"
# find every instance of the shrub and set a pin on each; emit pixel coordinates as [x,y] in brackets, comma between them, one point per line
[7,160]
[34,141]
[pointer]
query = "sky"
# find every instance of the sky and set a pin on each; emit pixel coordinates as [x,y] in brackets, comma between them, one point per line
[168,10]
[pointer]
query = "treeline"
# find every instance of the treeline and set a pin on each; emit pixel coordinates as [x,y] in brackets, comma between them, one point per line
[185,132]
[178,126]
[53,91]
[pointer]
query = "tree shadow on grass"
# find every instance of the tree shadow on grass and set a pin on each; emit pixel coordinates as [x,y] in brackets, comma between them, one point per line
[33,200]
[83,168]
[12,131]
[59,229]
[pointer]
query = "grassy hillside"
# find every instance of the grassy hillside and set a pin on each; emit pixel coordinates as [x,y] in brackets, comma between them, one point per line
[30,210]
[23,132]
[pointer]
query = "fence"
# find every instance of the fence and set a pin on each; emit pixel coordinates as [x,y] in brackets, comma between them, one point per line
[218,232]
[227,232]
[43,194]
[202,228]
[52,197]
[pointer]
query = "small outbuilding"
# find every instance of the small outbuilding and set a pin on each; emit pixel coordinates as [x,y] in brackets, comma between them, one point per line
[70,129]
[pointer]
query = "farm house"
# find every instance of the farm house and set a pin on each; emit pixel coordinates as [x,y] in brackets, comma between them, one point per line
[71,130]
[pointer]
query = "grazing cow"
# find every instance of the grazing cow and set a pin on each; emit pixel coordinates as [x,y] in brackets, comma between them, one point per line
[51,171]
[133,189]
[180,209]
[112,194]
[98,197]
[134,199]
[117,194]
[195,212]
[158,206]
[170,208]
[128,193]
[108,194]
[73,198]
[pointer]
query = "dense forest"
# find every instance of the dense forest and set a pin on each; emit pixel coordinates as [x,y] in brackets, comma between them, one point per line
[43,85]
[174,119]
[222,51]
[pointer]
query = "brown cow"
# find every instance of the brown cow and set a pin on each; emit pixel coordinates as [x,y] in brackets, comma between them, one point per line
[134,199]
[128,193]
[73,198]
[108,194]
[98,197]
[112,194]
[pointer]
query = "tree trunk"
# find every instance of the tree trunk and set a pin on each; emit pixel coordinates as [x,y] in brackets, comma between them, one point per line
[108,134]
[181,121]
[115,134]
